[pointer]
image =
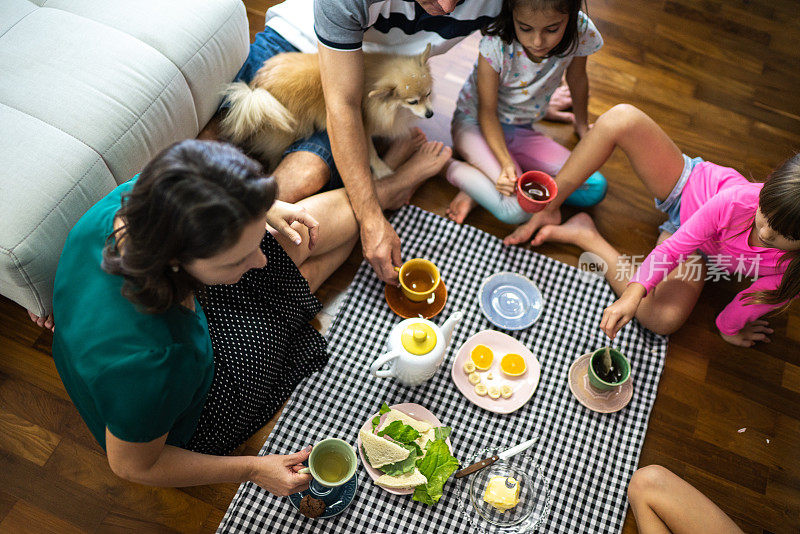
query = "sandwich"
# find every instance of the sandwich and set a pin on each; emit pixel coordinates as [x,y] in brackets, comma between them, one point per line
[380,451]
[405,481]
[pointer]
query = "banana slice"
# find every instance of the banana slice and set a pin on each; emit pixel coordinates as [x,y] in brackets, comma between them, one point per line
[489,376]
[494,392]
[480,389]
[506,391]
[469,367]
[474,378]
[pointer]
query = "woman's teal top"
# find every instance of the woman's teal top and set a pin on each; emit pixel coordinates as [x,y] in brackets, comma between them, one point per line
[141,375]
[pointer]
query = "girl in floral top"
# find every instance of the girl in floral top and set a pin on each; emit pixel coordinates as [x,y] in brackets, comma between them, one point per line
[523,55]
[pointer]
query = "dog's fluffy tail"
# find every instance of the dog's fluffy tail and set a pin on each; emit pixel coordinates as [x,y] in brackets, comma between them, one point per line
[252,110]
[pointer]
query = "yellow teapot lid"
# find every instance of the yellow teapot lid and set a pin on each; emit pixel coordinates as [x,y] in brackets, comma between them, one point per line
[418,338]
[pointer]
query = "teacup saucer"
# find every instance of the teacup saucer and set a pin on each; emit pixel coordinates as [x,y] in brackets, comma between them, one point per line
[336,499]
[510,301]
[408,309]
[599,401]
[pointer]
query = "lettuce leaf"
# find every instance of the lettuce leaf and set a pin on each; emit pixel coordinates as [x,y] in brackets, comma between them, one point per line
[377,419]
[404,466]
[437,465]
[441,432]
[399,431]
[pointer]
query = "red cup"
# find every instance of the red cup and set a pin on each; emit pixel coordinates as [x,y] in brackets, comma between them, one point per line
[528,203]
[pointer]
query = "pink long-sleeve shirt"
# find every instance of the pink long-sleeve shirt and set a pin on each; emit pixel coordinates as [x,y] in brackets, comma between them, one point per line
[717,208]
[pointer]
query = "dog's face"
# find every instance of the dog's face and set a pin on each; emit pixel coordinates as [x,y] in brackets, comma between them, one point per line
[409,86]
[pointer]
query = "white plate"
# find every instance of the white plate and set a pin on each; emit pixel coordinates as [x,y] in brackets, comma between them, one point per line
[415,411]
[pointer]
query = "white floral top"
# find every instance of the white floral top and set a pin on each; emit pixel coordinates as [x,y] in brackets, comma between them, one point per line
[525,86]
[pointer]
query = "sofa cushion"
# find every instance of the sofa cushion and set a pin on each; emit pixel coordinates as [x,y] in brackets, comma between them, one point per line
[91,90]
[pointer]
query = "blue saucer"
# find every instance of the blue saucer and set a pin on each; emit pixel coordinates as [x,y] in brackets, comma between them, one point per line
[510,301]
[335,499]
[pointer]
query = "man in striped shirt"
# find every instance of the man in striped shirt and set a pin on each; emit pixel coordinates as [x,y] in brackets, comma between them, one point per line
[345,28]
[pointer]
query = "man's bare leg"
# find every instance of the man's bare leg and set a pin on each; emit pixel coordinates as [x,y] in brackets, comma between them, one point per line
[299,175]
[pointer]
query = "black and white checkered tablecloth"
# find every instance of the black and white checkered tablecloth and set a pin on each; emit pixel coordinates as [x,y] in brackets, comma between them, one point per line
[587,457]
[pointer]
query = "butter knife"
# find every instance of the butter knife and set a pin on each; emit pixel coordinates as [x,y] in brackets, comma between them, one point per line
[508,453]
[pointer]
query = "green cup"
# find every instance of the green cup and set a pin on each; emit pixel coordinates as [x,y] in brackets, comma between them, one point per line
[332,463]
[619,361]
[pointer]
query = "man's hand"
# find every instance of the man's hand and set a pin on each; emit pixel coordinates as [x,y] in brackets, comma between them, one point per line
[381,247]
[750,334]
[281,216]
[278,474]
[507,180]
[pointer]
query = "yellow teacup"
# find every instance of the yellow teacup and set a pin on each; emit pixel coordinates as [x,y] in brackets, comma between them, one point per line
[419,278]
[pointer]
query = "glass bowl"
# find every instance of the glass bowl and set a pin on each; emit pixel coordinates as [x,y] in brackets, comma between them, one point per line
[534,495]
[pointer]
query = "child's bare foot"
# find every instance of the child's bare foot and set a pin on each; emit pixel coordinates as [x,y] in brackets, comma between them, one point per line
[460,207]
[524,231]
[578,230]
[402,149]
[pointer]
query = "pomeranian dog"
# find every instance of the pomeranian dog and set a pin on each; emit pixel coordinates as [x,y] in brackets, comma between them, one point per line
[285,103]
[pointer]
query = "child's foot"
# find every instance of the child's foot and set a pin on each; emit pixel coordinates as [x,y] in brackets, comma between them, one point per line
[402,149]
[578,230]
[460,207]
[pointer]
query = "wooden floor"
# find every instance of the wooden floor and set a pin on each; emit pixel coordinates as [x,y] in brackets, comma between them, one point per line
[722,78]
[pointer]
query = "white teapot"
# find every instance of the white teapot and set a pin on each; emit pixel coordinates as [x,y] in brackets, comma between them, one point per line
[416,350]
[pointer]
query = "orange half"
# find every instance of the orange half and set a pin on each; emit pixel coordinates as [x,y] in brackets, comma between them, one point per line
[482,357]
[513,364]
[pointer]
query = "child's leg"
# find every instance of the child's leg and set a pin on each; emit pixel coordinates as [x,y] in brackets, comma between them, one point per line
[534,151]
[667,306]
[656,160]
[477,178]
[662,502]
[654,157]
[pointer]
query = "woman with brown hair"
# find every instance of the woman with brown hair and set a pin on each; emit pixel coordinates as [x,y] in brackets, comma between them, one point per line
[183,325]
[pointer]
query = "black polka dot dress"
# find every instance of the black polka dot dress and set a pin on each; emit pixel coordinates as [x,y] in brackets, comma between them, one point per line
[263,347]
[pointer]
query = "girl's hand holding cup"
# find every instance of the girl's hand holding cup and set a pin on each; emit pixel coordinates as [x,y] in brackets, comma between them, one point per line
[507,180]
[622,311]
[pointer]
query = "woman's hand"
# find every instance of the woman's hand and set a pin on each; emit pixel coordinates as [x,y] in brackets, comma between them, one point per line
[622,311]
[281,216]
[749,334]
[507,180]
[278,474]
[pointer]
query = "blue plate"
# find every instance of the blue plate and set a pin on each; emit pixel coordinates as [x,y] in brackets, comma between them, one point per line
[335,499]
[510,301]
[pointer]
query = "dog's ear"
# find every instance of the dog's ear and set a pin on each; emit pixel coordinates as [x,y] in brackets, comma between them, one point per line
[382,91]
[423,58]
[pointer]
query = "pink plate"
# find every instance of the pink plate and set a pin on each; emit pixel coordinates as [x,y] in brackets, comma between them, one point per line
[609,401]
[501,344]
[415,411]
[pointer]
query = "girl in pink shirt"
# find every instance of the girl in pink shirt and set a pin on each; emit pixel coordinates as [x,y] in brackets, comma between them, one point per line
[740,229]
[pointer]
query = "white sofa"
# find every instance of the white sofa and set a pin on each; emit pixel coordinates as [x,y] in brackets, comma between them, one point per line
[90,90]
